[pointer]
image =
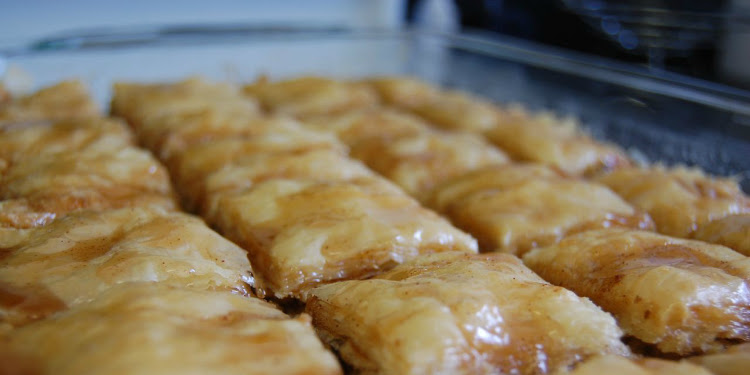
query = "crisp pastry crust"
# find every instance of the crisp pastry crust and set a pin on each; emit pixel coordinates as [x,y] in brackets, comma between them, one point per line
[731,231]
[276,141]
[516,208]
[147,105]
[30,139]
[455,313]
[419,162]
[321,165]
[733,361]
[310,96]
[36,190]
[544,138]
[151,328]
[301,233]
[680,200]
[447,109]
[355,126]
[65,100]
[681,296]
[75,259]
[615,365]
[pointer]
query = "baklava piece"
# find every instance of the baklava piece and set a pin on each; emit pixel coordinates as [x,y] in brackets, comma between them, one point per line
[353,127]
[680,200]
[301,233]
[151,328]
[36,190]
[447,109]
[20,141]
[515,208]
[733,361]
[560,143]
[457,313]
[614,365]
[310,96]
[65,100]
[74,259]
[419,162]
[732,231]
[170,117]
[681,296]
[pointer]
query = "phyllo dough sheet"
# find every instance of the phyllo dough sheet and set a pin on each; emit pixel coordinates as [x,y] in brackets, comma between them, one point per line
[681,296]
[680,200]
[454,313]
[515,208]
[152,328]
[74,259]
[65,100]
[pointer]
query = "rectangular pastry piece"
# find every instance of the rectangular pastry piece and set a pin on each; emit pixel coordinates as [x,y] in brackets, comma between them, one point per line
[76,258]
[730,231]
[456,313]
[279,138]
[301,233]
[681,296]
[65,100]
[448,109]
[680,200]
[310,96]
[170,117]
[540,138]
[405,150]
[151,328]
[36,190]
[360,125]
[560,143]
[19,141]
[515,208]
[614,365]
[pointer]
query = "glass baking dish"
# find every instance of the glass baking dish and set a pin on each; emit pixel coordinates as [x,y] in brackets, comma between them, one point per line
[657,116]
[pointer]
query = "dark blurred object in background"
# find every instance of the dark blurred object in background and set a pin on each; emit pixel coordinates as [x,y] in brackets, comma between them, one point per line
[681,36]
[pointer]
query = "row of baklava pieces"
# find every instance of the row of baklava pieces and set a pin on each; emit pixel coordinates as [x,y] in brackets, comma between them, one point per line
[308,215]
[100,274]
[204,117]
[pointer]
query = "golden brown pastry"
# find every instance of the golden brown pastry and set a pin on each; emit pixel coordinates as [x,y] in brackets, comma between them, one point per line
[681,296]
[151,328]
[36,190]
[321,165]
[419,162]
[146,104]
[19,141]
[457,313]
[543,138]
[301,233]
[310,96]
[734,361]
[279,152]
[680,200]
[356,126]
[731,231]
[65,100]
[615,365]
[518,207]
[403,92]
[448,109]
[74,259]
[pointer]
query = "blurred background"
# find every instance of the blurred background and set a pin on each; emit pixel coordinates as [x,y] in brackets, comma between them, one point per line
[704,39]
